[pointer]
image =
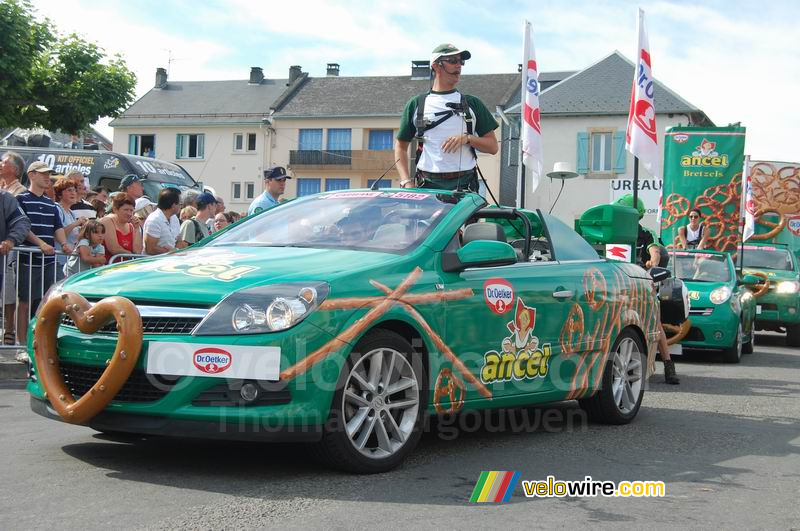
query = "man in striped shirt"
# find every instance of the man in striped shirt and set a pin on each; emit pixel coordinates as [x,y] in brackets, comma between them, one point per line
[37,272]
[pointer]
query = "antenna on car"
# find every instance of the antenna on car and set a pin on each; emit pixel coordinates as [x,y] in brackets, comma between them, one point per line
[378,180]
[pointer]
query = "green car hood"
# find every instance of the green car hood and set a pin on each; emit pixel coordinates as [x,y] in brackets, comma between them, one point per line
[699,292]
[205,275]
[773,274]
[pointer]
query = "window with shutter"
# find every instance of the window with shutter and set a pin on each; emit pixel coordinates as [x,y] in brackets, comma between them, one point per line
[307,186]
[620,153]
[582,159]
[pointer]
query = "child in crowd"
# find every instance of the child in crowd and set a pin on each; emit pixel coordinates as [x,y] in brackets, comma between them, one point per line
[90,251]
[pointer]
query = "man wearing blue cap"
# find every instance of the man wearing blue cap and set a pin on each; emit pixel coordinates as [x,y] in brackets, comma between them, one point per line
[274,184]
[195,229]
[132,185]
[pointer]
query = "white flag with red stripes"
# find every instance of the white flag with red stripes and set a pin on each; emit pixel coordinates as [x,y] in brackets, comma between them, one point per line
[748,205]
[641,138]
[531,121]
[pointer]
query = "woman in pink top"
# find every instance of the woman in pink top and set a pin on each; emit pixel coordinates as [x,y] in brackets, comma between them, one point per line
[123,235]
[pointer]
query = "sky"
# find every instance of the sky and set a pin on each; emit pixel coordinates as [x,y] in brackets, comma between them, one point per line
[739,61]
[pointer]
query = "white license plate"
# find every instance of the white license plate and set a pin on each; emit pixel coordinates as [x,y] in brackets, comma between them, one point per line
[758,309]
[216,361]
[676,349]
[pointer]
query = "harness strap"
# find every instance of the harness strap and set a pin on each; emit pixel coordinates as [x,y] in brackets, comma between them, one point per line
[421,125]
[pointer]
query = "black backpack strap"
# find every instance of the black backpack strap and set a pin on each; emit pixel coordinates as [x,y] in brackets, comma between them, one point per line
[198,233]
[420,125]
[467,114]
[468,119]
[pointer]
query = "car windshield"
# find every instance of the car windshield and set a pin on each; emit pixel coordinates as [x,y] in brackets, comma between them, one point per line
[383,221]
[700,267]
[757,257]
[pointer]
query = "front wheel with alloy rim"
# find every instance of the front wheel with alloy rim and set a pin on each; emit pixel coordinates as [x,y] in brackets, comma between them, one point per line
[376,414]
[733,354]
[622,386]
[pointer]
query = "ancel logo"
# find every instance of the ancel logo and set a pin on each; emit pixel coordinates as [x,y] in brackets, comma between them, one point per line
[212,360]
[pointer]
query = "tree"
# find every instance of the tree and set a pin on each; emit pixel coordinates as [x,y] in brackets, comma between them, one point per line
[55,82]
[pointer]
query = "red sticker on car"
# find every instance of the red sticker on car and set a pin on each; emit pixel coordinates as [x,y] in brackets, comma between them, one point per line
[498,294]
[212,360]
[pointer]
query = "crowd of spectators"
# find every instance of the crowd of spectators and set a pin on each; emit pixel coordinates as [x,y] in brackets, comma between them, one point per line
[71,228]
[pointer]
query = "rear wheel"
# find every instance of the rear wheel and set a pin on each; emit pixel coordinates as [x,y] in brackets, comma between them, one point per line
[620,396]
[793,335]
[376,415]
[733,354]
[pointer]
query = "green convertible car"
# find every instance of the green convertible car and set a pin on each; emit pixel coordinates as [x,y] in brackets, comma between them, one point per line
[343,319]
[778,309]
[723,308]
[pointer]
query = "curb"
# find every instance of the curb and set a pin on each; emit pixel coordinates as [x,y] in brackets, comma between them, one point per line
[13,370]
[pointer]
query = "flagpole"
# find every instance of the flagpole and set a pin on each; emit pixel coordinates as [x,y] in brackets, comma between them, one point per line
[743,212]
[635,182]
[521,181]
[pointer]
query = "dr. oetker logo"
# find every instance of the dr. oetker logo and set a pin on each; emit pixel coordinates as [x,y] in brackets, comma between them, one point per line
[212,360]
[498,294]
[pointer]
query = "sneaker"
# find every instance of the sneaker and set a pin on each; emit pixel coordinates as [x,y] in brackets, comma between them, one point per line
[670,376]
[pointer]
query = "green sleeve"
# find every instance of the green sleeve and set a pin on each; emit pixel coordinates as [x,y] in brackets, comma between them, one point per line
[485,122]
[407,132]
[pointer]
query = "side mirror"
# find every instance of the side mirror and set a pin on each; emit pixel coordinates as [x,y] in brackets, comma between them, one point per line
[749,280]
[660,274]
[482,253]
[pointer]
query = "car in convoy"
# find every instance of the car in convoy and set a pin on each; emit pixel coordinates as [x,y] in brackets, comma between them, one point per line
[778,300]
[343,319]
[722,307]
[107,168]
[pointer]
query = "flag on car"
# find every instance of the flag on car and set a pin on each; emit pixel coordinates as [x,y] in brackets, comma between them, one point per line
[641,138]
[748,205]
[531,121]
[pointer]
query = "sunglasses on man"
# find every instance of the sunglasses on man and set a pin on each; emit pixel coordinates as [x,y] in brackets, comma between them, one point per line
[452,60]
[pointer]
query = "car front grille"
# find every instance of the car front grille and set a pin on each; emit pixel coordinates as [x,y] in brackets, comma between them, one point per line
[150,325]
[139,387]
[695,334]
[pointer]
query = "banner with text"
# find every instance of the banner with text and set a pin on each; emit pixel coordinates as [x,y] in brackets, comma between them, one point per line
[703,171]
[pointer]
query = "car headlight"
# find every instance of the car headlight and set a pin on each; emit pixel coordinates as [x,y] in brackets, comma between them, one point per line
[263,309]
[720,295]
[788,286]
[53,291]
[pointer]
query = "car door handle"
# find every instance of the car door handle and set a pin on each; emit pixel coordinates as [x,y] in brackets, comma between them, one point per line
[563,294]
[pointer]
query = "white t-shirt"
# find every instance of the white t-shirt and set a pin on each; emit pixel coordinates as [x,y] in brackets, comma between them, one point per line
[433,159]
[167,231]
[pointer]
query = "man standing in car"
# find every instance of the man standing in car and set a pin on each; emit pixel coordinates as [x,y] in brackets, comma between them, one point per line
[450,127]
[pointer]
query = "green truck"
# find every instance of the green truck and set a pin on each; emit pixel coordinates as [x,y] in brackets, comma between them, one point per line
[778,298]
[703,172]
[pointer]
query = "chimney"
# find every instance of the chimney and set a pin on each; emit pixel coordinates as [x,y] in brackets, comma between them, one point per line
[256,75]
[294,73]
[333,69]
[420,69]
[161,78]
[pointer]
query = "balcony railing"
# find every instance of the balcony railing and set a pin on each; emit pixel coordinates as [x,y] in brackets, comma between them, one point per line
[340,157]
[355,160]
